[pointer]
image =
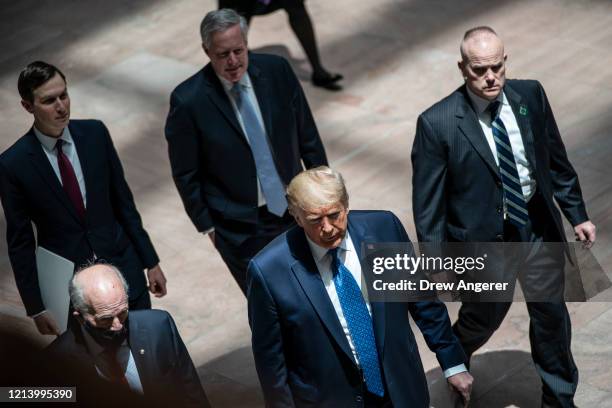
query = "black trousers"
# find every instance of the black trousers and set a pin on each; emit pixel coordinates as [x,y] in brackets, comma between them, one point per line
[237,257]
[549,326]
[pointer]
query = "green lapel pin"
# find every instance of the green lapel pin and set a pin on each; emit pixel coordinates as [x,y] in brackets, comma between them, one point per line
[523,110]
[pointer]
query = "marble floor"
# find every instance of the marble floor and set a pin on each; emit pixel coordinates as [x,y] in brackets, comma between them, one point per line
[123,57]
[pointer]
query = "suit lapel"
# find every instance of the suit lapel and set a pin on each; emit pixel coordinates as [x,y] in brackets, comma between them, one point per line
[470,127]
[81,352]
[360,237]
[142,353]
[306,272]
[219,98]
[43,167]
[522,119]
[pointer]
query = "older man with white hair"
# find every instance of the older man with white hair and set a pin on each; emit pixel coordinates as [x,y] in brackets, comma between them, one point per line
[316,340]
[138,353]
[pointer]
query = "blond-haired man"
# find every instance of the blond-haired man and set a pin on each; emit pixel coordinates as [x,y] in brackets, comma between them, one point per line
[316,341]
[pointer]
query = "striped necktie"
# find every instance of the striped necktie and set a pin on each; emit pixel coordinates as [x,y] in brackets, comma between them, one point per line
[514,201]
[359,323]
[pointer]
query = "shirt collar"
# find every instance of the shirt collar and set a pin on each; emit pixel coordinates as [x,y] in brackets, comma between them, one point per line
[481,104]
[49,142]
[245,82]
[318,252]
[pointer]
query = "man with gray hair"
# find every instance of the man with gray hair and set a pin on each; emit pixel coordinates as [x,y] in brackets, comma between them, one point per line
[238,131]
[139,353]
[316,340]
[488,166]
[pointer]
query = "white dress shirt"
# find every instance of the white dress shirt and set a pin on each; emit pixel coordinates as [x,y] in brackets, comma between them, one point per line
[525,172]
[350,258]
[48,145]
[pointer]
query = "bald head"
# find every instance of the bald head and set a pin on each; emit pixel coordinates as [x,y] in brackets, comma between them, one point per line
[97,285]
[483,62]
[478,37]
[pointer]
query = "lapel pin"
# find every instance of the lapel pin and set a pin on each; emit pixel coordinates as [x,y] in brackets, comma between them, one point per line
[523,110]
[141,352]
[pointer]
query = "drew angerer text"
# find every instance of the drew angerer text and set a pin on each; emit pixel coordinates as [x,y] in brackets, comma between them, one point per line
[424,285]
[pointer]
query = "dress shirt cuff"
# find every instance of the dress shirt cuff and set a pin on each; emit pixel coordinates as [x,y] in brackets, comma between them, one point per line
[455,370]
[208,231]
[38,314]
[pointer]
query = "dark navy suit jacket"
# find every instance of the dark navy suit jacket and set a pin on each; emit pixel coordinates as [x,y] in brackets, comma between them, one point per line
[212,163]
[32,193]
[166,371]
[301,353]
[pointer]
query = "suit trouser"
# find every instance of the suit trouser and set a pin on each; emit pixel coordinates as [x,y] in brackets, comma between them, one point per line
[549,326]
[132,269]
[237,257]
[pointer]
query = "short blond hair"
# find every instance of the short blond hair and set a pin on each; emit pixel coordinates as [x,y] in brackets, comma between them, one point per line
[315,188]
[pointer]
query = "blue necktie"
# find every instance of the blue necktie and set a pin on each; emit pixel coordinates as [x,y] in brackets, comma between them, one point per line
[271,184]
[359,323]
[516,207]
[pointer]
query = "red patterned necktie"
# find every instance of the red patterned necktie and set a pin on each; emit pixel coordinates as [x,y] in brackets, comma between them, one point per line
[69,180]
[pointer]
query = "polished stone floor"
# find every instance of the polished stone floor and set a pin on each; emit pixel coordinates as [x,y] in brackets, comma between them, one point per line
[122,59]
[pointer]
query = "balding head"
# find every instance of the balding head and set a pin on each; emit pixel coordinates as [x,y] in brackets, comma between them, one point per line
[99,295]
[477,37]
[483,62]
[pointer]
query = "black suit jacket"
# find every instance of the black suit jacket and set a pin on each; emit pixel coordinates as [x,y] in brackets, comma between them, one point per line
[32,193]
[167,374]
[457,190]
[211,160]
[301,353]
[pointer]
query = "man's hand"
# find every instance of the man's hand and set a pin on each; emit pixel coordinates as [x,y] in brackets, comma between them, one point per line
[45,323]
[585,232]
[211,235]
[462,383]
[157,281]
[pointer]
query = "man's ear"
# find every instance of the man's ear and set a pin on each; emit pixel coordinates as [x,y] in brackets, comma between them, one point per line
[205,50]
[298,220]
[461,66]
[27,106]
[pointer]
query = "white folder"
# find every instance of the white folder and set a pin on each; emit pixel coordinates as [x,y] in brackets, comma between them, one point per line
[54,274]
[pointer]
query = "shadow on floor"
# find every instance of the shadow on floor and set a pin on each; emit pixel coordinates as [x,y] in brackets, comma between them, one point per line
[300,65]
[231,380]
[501,379]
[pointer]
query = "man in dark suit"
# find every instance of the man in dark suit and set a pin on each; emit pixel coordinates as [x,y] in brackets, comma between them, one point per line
[64,176]
[487,162]
[140,354]
[316,341]
[238,131]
